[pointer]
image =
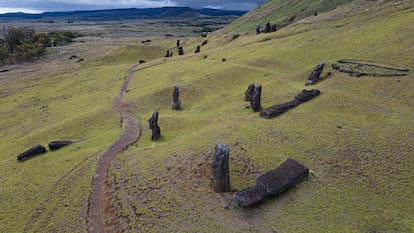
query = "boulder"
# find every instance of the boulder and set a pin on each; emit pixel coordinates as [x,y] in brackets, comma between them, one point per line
[220,169]
[315,75]
[36,150]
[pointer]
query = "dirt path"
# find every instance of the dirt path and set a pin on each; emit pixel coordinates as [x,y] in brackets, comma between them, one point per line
[99,203]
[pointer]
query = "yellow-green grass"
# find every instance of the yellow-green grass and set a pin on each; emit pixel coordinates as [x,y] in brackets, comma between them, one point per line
[49,193]
[356,137]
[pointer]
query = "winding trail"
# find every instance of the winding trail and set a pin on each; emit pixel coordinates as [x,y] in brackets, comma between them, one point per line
[99,201]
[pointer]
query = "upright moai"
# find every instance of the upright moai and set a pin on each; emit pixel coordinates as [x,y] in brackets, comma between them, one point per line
[274,28]
[153,125]
[220,169]
[249,92]
[257,29]
[180,51]
[176,98]
[198,49]
[178,44]
[167,54]
[255,99]
[268,27]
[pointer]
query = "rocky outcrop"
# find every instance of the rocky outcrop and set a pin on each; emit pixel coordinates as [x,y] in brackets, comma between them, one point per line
[274,182]
[220,169]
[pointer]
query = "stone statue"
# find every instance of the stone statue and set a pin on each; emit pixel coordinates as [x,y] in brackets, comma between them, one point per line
[315,75]
[220,169]
[255,99]
[267,27]
[257,29]
[176,98]
[198,49]
[249,92]
[153,125]
[180,51]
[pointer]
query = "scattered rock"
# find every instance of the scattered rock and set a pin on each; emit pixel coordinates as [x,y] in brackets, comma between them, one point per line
[220,169]
[58,144]
[36,150]
[274,182]
[315,75]
[302,97]
[255,100]
[153,125]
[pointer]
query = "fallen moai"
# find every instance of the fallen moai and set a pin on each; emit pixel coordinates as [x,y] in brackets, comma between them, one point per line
[257,29]
[36,150]
[315,75]
[59,144]
[204,43]
[153,125]
[220,169]
[249,92]
[302,97]
[274,182]
[255,100]
[176,98]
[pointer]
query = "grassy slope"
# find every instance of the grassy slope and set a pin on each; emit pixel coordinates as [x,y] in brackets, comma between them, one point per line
[357,137]
[50,192]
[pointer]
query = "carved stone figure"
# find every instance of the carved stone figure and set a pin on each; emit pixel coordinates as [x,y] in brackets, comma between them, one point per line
[315,75]
[176,98]
[36,150]
[267,27]
[167,54]
[58,144]
[220,169]
[153,125]
[198,49]
[249,92]
[256,98]
[257,29]
[204,43]
[178,44]
[180,51]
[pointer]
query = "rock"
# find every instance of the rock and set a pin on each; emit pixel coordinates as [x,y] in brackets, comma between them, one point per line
[58,144]
[220,169]
[176,98]
[36,150]
[180,51]
[315,75]
[153,125]
[249,92]
[256,98]
[198,49]
[274,182]
[278,109]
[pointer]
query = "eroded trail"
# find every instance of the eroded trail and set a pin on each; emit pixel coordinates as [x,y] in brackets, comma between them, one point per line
[99,206]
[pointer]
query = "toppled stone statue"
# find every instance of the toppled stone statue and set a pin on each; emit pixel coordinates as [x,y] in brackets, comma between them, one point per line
[256,98]
[220,169]
[198,49]
[274,182]
[153,125]
[257,29]
[36,150]
[315,75]
[302,97]
[55,145]
[180,51]
[176,98]
[249,92]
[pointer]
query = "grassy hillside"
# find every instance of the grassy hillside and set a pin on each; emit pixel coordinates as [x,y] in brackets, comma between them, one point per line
[356,137]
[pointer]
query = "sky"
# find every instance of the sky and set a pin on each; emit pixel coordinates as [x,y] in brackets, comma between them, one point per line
[38,6]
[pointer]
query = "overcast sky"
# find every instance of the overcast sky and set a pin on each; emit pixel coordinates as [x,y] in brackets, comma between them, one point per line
[37,6]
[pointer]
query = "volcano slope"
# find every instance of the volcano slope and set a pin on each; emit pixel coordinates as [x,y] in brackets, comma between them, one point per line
[356,137]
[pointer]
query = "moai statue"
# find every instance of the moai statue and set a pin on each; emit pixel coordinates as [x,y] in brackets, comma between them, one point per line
[315,75]
[176,98]
[178,44]
[171,53]
[257,29]
[167,54]
[267,28]
[255,99]
[180,51]
[220,169]
[249,92]
[274,28]
[153,125]
[204,43]
[198,49]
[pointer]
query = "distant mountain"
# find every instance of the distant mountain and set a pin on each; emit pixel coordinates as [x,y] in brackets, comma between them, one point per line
[131,13]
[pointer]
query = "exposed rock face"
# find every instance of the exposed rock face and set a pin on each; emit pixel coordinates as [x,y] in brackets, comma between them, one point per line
[153,125]
[58,144]
[180,51]
[255,100]
[315,75]
[198,49]
[220,169]
[274,182]
[36,150]
[278,109]
[249,92]
[176,98]
[257,29]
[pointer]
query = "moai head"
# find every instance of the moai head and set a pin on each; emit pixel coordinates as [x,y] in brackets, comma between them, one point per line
[249,92]
[220,169]
[153,121]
